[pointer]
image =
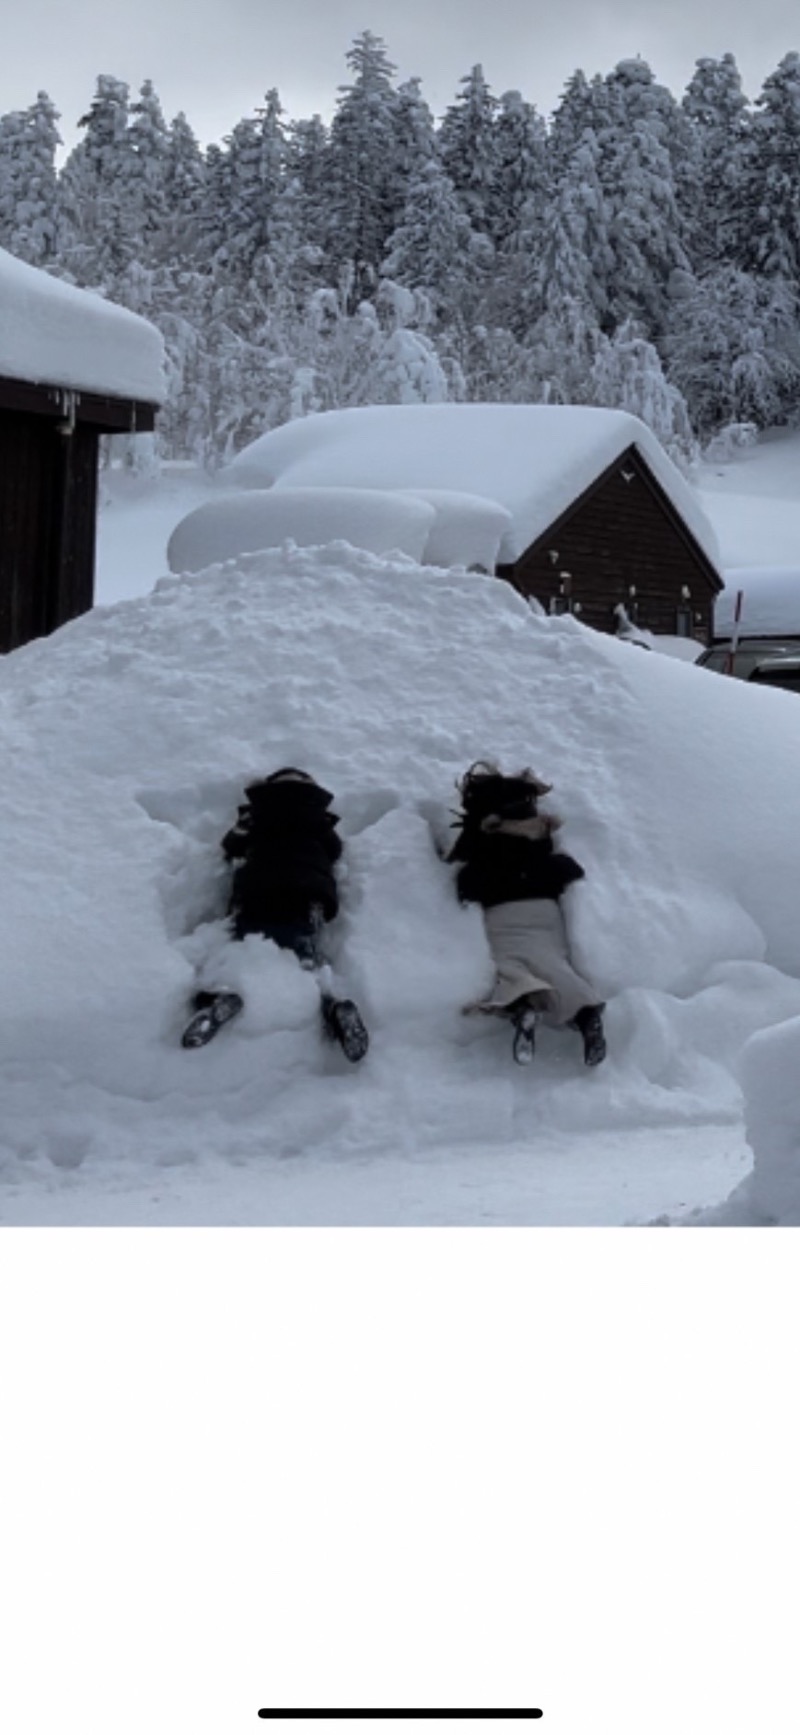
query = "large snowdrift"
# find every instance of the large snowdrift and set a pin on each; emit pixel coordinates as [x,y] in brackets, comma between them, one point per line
[127,738]
[533,459]
[54,334]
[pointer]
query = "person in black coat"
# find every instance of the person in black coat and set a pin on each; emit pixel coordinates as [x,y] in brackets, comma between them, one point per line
[283,848]
[508,863]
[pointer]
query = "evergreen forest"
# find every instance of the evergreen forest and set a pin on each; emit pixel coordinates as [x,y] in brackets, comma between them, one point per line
[633,250]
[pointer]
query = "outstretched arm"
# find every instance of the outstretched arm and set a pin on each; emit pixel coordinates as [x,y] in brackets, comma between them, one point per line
[235,842]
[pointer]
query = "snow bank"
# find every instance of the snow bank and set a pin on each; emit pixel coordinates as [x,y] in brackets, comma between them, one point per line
[243,523]
[769,1070]
[770,1193]
[770,601]
[127,737]
[54,334]
[532,459]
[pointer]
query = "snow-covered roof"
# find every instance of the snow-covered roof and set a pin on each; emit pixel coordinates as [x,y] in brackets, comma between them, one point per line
[238,524]
[533,459]
[54,334]
[433,526]
[770,600]
[468,529]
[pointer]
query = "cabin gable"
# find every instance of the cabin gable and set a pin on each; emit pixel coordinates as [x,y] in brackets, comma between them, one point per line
[621,542]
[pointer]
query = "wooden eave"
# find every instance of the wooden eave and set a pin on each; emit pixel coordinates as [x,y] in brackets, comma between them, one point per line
[107,414]
[632,456]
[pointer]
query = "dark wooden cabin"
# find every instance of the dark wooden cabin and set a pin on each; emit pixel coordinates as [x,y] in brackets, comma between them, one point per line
[622,541]
[49,438]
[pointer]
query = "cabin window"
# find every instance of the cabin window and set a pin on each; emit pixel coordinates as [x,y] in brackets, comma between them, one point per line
[562,603]
[683,622]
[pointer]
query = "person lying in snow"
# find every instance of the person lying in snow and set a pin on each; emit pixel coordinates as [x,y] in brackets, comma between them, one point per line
[511,868]
[285,847]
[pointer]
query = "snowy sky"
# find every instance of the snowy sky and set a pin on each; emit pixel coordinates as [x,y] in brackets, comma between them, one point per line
[217,71]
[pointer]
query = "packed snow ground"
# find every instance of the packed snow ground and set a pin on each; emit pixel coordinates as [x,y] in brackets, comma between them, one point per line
[128,737]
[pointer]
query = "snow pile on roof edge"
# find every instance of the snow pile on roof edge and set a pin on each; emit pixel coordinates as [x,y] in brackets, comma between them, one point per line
[52,333]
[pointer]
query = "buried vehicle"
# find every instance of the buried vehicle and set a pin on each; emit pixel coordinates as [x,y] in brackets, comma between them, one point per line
[747,656]
[757,627]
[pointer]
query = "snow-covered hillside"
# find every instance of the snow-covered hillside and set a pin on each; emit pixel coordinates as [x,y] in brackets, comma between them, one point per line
[127,739]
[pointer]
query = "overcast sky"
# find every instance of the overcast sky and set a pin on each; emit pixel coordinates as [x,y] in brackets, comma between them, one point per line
[216,58]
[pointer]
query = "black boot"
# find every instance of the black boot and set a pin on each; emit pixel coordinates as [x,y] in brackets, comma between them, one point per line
[589,1021]
[343,1021]
[212,1009]
[524,1018]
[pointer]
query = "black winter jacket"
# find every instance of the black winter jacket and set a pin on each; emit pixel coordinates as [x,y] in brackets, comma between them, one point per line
[285,844]
[502,866]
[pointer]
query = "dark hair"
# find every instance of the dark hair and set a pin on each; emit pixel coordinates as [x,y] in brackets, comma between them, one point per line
[289,771]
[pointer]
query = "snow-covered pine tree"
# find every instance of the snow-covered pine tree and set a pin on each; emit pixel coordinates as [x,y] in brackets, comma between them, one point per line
[572,257]
[184,189]
[558,354]
[771,192]
[627,375]
[719,118]
[434,247]
[148,141]
[521,177]
[249,220]
[305,208]
[96,225]
[414,146]
[468,149]
[584,107]
[212,212]
[636,174]
[406,368]
[28,187]
[733,350]
[361,169]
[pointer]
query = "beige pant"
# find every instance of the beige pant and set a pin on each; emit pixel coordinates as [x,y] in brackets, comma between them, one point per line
[528,942]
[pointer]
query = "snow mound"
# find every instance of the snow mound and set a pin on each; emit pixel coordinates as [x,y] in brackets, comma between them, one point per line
[54,334]
[769,1070]
[127,738]
[532,459]
[770,1194]
[243,523]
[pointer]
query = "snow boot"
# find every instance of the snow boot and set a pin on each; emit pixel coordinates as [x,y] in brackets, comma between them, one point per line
[212,1010]
[344,1023]
[524,1020]
[589,1021]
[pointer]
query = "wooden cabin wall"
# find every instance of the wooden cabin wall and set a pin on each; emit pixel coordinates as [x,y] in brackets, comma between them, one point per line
[617,537]
[48,498]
